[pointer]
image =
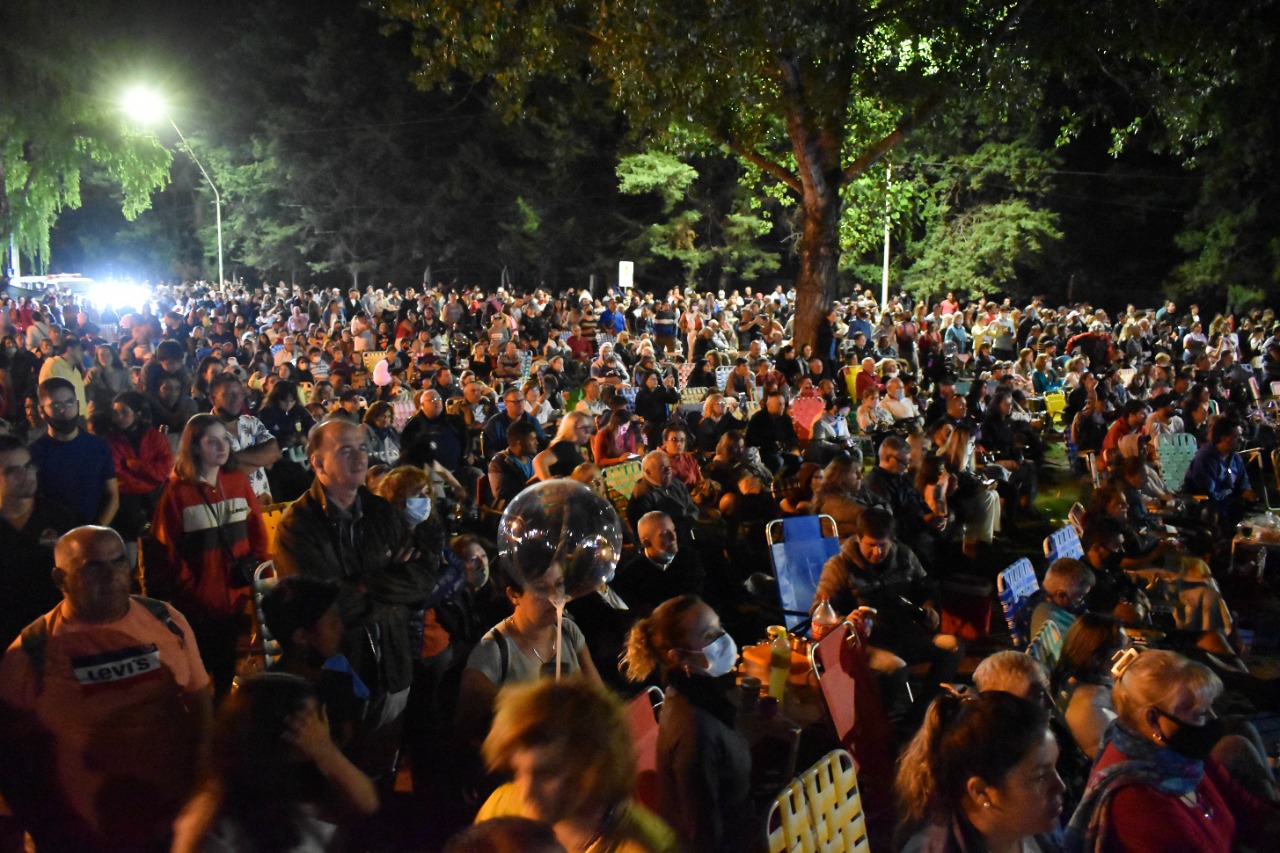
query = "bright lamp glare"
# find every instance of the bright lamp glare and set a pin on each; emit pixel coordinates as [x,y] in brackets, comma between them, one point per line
[144,105]
[119,294]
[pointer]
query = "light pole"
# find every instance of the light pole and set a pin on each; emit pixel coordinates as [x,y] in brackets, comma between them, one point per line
[146,106]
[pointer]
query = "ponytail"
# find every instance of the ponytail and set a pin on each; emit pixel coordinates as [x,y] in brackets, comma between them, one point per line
[651,638]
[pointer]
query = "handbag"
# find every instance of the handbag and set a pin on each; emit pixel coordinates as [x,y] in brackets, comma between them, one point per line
[240,570]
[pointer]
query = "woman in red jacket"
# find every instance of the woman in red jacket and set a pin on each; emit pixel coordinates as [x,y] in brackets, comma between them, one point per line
[143,462]
[209,525]
[1157,785]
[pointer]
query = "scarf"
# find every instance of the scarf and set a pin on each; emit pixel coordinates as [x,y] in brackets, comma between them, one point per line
[1143,763]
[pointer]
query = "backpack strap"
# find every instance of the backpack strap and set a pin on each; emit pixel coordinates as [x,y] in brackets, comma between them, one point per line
[504,655]
[34,638]
[161,611]
[33,641]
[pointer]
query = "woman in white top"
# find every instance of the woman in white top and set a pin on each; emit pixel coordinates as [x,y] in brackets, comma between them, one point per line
[520,648]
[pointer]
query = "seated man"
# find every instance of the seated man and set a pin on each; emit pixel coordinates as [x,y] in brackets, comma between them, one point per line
[659,490]
[1218,471]
[891,484]
[511,470]
[773,433]
[495,430]
[103,706]
[1066,586]
[878,578]
[661,571]
[897,403]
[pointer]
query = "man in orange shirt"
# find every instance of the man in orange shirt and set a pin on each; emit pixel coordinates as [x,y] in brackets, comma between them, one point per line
[103,705]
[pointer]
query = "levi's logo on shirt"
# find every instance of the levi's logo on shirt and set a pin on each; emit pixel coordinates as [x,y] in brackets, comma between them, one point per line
[100,671]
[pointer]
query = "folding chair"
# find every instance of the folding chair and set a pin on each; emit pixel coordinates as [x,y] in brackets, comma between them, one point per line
[264,577]
[1075,515]
[1016,585]
[722,375]
[1046,647]
[799,548]
[1055,403]
[1063,542]
[820,811]
[271,515]
[371,358]
[641,715]
[1176,453]
[835,804]
[849,689]
[794,830]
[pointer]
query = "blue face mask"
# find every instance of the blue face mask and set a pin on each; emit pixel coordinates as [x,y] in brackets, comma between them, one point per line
[416,509]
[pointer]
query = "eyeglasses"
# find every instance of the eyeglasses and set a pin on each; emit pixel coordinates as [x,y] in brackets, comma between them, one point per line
[61,405]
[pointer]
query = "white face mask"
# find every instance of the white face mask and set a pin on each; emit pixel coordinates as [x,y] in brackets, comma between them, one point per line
[721,655]
[416,509]
[898,395]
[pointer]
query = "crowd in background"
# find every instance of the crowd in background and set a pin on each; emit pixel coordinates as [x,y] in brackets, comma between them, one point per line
[384,433]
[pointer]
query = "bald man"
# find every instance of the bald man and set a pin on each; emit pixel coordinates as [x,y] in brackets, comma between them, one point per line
[103,705]
[659,490]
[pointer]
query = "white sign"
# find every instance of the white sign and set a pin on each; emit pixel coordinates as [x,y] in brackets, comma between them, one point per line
[626,274]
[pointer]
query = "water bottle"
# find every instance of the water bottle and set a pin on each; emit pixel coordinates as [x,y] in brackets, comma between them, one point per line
[824,621]
[779,661]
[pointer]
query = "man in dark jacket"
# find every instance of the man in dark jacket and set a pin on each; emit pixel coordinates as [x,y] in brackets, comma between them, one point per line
[875,576]
[340,531]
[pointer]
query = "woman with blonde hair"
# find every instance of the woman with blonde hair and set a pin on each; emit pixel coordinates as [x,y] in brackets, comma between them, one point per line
[704,763]
[564,454]
[566,745]
[1156,786]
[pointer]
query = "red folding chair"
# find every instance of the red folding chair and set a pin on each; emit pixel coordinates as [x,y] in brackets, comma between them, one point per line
[642,723]
[853,701]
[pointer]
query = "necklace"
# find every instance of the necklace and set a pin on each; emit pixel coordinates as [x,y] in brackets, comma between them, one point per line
[551,654]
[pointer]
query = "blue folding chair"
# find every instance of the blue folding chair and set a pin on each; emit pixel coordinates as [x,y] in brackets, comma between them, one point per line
[1017,585]
[1063,542]
[799,548]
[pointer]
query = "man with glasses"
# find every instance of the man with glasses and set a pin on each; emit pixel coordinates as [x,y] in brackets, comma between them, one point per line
[29,525]
[495,430]
[684,465]
[103,706]
[75,467]
[1067,584]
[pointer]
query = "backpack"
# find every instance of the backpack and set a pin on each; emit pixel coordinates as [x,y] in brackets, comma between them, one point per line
[35,637]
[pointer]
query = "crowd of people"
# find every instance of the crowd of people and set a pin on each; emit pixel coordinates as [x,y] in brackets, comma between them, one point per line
[154,459]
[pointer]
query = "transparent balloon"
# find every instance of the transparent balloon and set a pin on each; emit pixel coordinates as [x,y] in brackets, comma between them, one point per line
[563,524]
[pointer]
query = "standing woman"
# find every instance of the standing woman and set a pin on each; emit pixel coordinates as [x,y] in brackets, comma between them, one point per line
[704,763]
[143,463]
[107,378]
[208,522]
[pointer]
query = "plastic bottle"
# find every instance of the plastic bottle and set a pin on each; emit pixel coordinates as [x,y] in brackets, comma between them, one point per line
[824,621]
[779,661]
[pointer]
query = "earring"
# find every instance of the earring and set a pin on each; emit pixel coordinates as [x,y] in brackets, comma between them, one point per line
[986,804]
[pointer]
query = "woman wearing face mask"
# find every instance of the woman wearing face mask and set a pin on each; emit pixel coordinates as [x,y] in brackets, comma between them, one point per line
[1156,786]
[704,764]
[408,488]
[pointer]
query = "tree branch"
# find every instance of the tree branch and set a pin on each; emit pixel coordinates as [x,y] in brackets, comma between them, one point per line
[886,144]
[765,165]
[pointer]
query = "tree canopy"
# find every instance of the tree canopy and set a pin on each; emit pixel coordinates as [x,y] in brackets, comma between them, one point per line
[808,93]
[57,121]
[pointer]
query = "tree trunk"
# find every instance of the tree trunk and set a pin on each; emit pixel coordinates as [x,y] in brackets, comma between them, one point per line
[819,260]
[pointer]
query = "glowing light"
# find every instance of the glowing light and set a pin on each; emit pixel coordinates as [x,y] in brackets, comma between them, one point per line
[119,294]
[145,105]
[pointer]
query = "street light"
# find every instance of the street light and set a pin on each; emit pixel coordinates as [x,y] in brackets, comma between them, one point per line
[147,107]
